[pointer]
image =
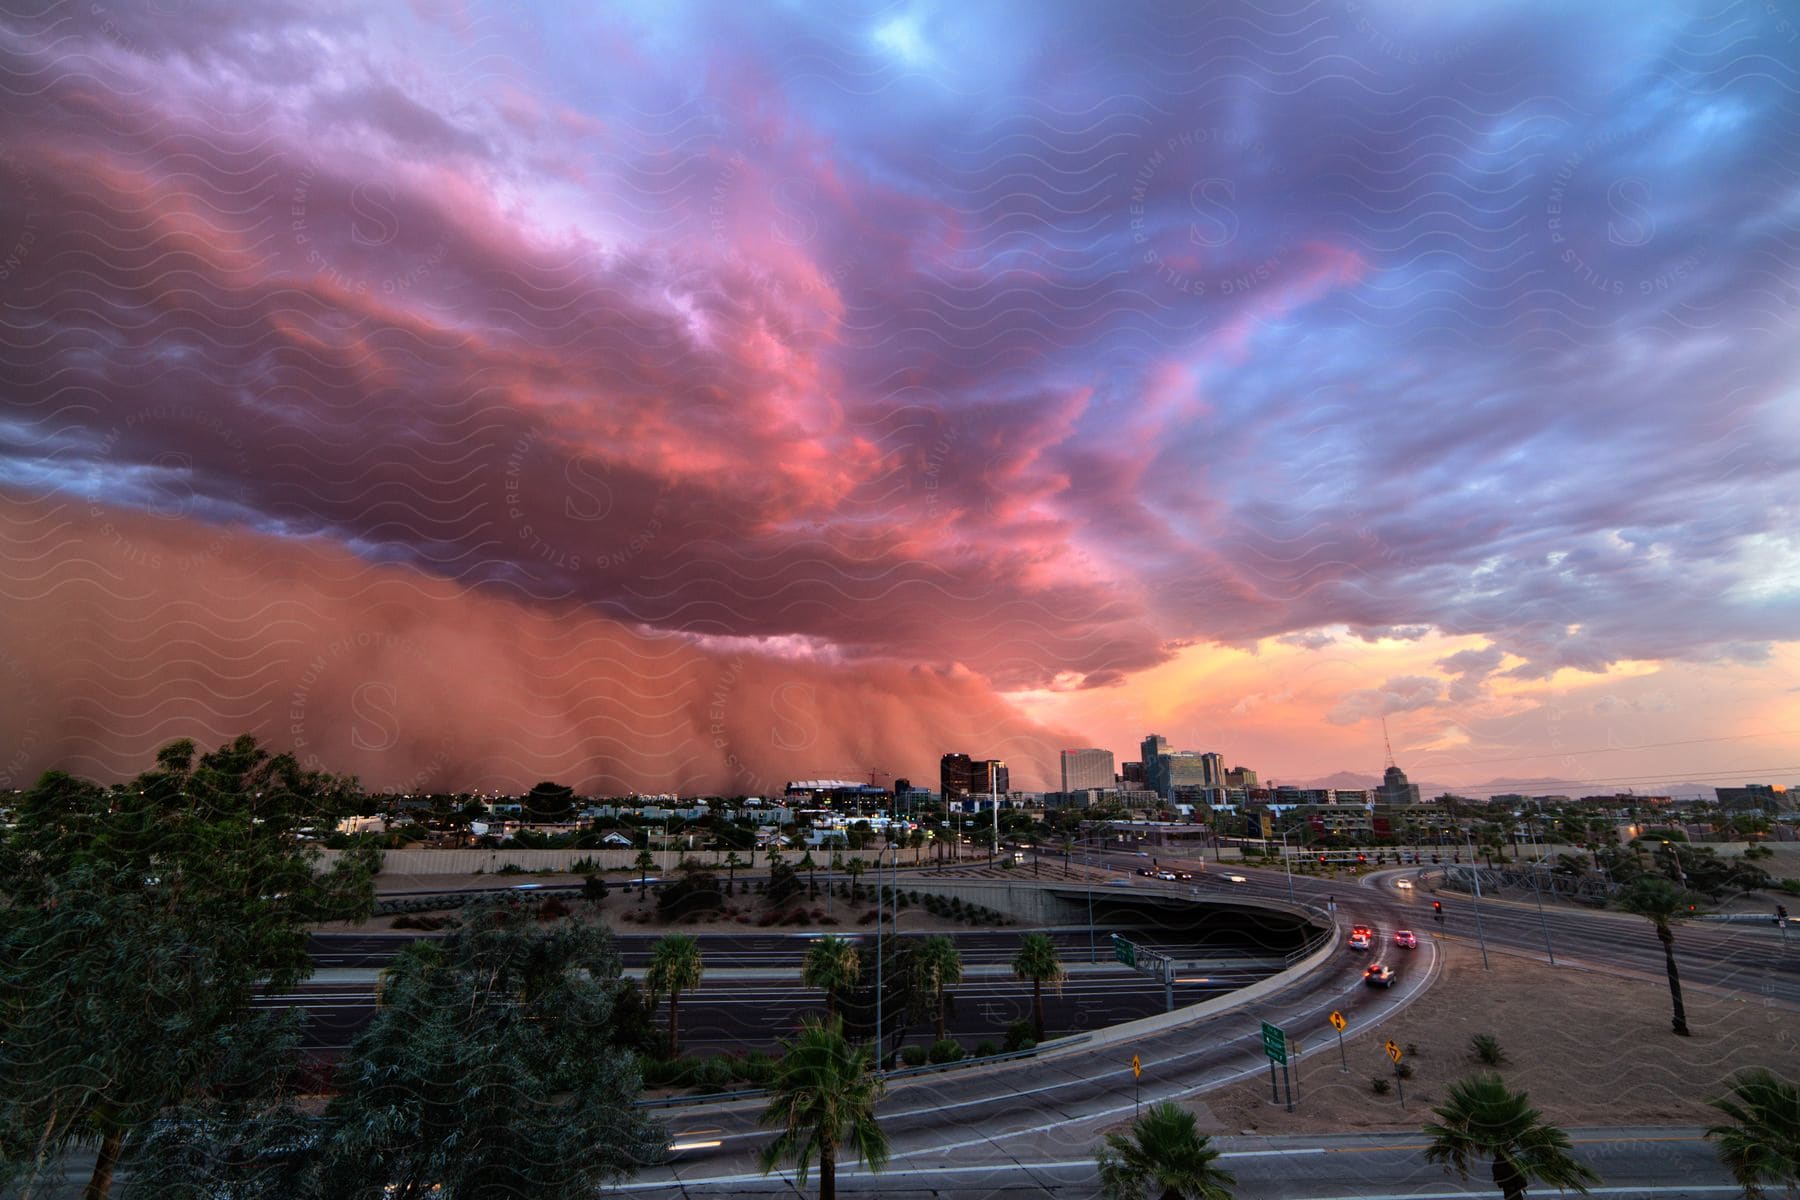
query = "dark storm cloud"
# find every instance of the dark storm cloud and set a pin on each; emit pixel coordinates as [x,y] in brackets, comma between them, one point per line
[1042,339]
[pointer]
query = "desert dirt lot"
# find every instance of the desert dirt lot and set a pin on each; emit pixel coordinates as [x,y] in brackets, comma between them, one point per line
[1589,1048]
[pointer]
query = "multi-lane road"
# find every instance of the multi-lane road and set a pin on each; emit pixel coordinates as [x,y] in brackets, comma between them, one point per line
[1008,1129]
[753,997]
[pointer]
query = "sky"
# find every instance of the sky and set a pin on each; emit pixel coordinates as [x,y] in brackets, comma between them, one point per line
[657,396]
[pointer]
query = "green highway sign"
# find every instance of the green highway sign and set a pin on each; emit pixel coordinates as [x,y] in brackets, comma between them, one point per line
[1274,1043]
[1124,951]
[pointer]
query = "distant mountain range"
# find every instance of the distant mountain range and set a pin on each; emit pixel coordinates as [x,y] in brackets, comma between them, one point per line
[1542,786]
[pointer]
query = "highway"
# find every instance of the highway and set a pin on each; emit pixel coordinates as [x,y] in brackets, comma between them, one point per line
[1026,1127]
[1664,1164]
[999,1115]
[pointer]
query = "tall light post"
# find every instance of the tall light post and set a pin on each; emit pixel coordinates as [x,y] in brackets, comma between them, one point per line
[1537,888]
[1475,872]
[1288,863]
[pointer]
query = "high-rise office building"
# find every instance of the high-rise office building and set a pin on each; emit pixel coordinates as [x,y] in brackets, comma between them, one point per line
[1150,747]
[960,776]
[1085,769]
[1395,789]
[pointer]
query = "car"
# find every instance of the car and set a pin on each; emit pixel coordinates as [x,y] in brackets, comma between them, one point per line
[1118,883]
[1407,938]
[1169,875]
[1404,885]
[1379,975]
[1362,929]
[1236,879]
[1184,874]
[1145,871]
[1359,941]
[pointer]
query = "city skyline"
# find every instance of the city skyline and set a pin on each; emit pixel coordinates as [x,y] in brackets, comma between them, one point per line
[693,399]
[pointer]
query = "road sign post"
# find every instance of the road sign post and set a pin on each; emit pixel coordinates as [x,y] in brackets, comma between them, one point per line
[1338,1023]
[1275,1046]
[1393,1051]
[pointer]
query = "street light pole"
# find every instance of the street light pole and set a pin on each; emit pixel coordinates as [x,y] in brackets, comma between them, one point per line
[1287,863]
[1540,853]
[1475,871]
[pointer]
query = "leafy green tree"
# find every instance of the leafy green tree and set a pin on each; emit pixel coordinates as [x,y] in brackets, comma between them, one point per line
[1485,1121]
[822,1098]
[1166,1153]
[495,1066]
[1662,904]
[645,863]
[674,968]
[1038,963]
[942,964]
[784,882]
[832,965]
[549,801]
[140,922]
[1761,1145]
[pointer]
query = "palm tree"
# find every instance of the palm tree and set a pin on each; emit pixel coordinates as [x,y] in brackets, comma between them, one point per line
[939,959]
[674,968]
[855,867]
[807,864]
[1484,1120]
[1662,903]
[645,860]
[1166,1151]
[1763,1145]
[1037,962]
[916,840]
[822,1097]
[832,965]
[732,863]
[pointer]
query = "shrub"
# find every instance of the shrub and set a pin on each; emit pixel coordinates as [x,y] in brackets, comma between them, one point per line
[1404,1070]
[987,1048]
[1486,1048]
[1380,1086]
[1020,1035]
[585,865]
[871,915]
[946,1051]
[1412,1050]
[913,1056]
[553,908]
[511,869]
[697,893]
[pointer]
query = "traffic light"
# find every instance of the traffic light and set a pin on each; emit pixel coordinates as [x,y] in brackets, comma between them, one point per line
[1362,858]
[1437,909]
[1321,859]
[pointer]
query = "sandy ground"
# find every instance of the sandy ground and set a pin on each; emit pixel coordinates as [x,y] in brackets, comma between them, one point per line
[1589,1048]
